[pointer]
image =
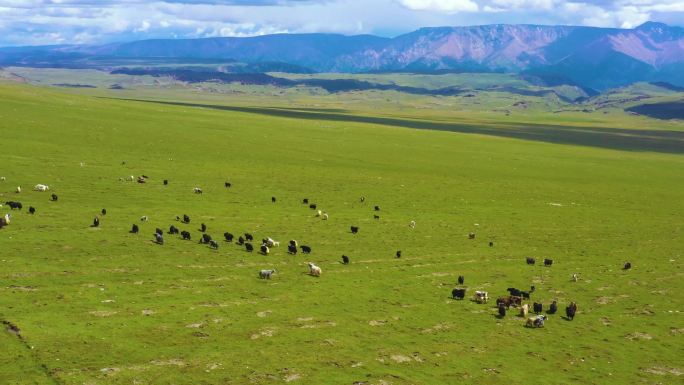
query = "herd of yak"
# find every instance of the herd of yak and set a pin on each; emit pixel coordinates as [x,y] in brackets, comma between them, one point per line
[514,298]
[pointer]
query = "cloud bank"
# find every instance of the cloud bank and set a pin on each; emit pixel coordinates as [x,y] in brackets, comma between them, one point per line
[39,22]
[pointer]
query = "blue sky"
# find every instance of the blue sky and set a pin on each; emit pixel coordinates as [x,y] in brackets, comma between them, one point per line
[31,22]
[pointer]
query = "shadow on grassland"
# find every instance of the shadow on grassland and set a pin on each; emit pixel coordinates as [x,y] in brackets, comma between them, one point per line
[610,138]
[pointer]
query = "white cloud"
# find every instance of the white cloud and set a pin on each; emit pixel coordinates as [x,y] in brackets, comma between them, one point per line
[144,27]
[94,21]
[441,5]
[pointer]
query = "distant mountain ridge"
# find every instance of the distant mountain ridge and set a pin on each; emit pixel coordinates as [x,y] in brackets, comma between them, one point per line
[594,57]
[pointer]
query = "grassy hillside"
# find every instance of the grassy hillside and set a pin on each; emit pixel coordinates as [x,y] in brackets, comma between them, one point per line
[102,306]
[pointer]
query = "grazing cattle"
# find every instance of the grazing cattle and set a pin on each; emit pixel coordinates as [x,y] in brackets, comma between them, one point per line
[273,199]
[354,229]
[264,250]
[228,237]
[241,240]
[570,310]
[481,296]
[197,190]
[530,261]
[377,208]
[158,238]
[249,247]
[515,300]
[306,249]
[305,201]
[513,291]
[314,270]
[313,206]
[206,238]
[5,220]
[491,243]
[503,301]
[96,222]
[412,224]
[502,310]
[213,244]
[141,180]
[376,216]
[537,321]
[227,184]
[292,249]
[158,231]
[266,274]
[104,211]
[270,242]
[537,308]
[548,262]
[18,189]
[458,293]
[203,227]
[32,210]
[54,197]
[166,182]
[134,229]
[293,243]
[553,308]
[398,254]
[575,277]
[173,230]
[41,187]
[130,178]
[186,219]
[325,216]
[525,294]
[2,178]
[627,266]
[461,279]
[524,309]
[14,205]
[249,237]
[362,199]
[471,236]
[144,218]
[319,213]
[186,235]
[345,260]
[532,289]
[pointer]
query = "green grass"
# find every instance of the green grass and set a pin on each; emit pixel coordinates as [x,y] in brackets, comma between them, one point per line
[80,295]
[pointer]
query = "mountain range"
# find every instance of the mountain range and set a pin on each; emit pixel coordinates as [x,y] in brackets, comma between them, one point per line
[598,58]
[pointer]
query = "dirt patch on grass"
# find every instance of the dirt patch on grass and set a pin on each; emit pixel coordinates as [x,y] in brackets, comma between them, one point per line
[676,331]
[661,371]
[319,324]
[102,313]
[110,370]
[437,328]
[377,322]
[169,362]
[400,358]
[604,300]
[638,336]
[266,332]
[22,288]
[195,325]
[264,313]
[147,312]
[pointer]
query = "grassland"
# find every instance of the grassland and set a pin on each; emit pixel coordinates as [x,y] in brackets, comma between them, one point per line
[102,306]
